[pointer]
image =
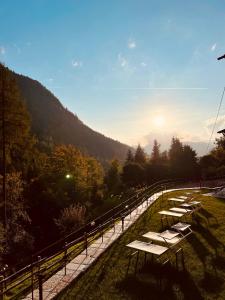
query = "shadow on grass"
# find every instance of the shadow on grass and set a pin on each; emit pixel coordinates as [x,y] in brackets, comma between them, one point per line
[199,248]
[219,262]
[209,237]
[175,284]
[208,216]
[144,288]
[211,283]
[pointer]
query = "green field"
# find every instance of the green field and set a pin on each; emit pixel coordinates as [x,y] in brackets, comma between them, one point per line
[202,278]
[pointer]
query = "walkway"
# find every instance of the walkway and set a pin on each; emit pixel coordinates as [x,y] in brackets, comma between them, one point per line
[79,264]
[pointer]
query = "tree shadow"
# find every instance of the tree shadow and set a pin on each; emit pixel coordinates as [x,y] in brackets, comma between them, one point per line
[208,216]
[213,241]
[211,283]
[174,284]
[200,249]
[219,262]
[138,288]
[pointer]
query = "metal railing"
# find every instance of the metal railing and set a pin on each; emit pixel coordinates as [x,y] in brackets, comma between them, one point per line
[44,263]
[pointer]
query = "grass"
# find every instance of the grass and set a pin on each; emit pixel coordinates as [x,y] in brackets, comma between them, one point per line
[202,278]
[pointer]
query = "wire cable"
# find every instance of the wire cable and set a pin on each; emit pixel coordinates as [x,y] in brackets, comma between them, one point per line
[214,126]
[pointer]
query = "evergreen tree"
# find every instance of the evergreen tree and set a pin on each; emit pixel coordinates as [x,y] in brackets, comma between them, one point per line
[140,156]
[133,174]
[189,164]
[155,155]
[130,156]
[112,178]
[176,157]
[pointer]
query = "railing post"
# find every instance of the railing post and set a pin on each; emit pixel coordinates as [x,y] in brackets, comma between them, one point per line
[32,277]
[86,243]
[122,219]
[102,233]
[40,286]
[1,288]
[65,256]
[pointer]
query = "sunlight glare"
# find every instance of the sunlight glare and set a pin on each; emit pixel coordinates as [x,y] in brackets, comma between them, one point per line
[159,121]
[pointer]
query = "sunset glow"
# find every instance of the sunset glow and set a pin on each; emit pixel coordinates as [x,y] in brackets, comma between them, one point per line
[159,121]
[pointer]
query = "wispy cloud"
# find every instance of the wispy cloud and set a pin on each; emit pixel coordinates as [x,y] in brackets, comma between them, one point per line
[77,64]
[131,44]
[18,49]
[163,88]
[2,50]
[122,60]
[143,64]
[213,47]
[220,124]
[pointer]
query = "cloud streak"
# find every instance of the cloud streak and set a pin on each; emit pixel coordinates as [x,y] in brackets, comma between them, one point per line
[213,48]
[77,64]
[131,44]
[122,60]
[2,50]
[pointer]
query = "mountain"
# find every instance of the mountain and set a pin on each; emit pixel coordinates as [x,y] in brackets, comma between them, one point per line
[50,119]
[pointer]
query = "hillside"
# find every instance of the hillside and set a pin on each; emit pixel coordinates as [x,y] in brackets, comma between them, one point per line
[51,120]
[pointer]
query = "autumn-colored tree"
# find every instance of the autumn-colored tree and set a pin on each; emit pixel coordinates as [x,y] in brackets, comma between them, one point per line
[71,218]
[18,240]
[16,125]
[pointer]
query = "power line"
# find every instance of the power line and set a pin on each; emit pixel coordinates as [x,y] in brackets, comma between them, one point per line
[214,126]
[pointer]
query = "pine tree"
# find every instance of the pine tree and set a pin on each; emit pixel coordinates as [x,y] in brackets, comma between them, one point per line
[155,156]
[140,156]
[112,178]
[176,157]
[130,156]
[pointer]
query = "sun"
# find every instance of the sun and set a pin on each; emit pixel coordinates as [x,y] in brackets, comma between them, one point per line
[159,121]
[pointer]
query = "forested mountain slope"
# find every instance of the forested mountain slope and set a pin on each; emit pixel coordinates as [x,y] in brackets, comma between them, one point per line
[49,119]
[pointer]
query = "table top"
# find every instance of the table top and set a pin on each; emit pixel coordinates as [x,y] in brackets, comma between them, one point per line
[176,199]
[147,247]
[195,202]
[185,205]
[168,234]
[156,236]
[181,226]
[181,210]
[170,213]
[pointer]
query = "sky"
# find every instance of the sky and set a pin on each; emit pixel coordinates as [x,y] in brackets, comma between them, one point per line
[133,70]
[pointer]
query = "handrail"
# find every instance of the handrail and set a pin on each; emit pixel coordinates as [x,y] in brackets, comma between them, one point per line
[85,234]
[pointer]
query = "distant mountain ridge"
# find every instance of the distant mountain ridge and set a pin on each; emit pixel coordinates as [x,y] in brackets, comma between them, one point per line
[49,119]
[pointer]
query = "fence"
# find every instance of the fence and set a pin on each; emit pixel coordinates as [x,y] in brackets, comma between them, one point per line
[44,263]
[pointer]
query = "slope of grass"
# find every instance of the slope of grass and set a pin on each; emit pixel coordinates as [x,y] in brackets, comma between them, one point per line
[203,277]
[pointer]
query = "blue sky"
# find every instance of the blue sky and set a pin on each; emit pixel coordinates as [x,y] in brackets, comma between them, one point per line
[122,65]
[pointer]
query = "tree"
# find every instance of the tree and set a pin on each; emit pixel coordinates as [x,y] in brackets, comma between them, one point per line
[71,218]
[112,178]
[130,156]
[176,157]
[189,164]
[18,240]
[133,174]
[155,155]
[14,116]
[140,156]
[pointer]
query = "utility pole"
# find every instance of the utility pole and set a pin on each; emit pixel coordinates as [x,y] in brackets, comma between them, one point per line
[3,148]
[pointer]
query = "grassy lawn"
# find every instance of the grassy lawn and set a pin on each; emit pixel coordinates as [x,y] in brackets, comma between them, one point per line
[202,278]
